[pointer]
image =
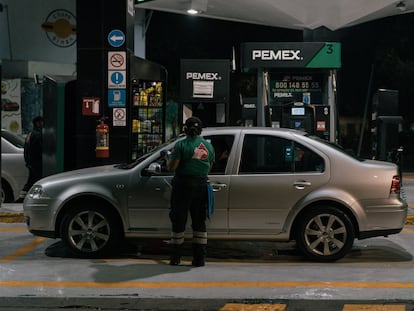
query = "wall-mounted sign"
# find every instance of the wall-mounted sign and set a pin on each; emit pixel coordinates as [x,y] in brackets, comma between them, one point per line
[119,117]
[91,106]
[204,80]
[117,60]
[60,28]
[116,38]
[116,98]
[290,55]
[117,79]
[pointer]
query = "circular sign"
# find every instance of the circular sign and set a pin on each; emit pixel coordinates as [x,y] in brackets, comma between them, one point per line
[117,77]
[116,38]
[60,28]
[117,60]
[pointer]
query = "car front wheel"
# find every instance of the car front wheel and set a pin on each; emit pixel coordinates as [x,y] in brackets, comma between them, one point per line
[325,234]
[90,231]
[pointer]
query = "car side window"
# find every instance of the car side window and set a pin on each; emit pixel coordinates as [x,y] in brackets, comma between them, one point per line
[306,160]
[267,154]
[222,146]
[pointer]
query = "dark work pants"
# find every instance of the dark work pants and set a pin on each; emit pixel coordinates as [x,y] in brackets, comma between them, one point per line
[189,195]
[35,173]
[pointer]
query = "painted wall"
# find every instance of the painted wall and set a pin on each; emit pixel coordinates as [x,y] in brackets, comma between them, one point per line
[40,30]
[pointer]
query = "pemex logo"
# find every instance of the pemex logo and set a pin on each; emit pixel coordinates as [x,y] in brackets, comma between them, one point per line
[200,152]
[60,28]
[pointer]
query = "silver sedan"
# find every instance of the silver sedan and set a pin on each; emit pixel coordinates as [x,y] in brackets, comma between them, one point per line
[13,168]
[276,184]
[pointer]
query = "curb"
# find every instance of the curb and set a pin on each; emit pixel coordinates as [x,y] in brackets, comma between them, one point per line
[11,217]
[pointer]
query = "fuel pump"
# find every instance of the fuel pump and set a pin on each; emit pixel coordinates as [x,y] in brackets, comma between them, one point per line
[102,139]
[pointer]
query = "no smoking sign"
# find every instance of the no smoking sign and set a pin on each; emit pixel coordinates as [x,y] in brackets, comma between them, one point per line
[117,60]
[119,117]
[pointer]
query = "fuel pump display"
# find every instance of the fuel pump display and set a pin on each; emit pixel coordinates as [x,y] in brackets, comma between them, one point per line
[296,81]
[297,101]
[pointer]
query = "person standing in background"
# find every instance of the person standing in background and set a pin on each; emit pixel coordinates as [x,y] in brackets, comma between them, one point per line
[33,149]
[191,160]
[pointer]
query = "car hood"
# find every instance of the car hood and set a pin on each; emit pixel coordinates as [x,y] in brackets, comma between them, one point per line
[91,174]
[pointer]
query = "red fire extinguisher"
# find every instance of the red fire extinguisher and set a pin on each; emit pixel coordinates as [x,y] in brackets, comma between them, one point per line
[102,139]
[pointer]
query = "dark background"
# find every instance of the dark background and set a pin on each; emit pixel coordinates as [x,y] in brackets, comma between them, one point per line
[383,49]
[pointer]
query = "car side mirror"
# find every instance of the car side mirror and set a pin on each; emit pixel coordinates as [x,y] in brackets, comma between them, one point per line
[154,168]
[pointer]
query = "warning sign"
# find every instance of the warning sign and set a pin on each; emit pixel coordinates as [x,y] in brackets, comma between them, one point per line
[119,117]
[117,60]
[90,106]
[320,126]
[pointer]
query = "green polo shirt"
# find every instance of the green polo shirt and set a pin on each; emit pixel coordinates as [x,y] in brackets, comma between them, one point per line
[195,155]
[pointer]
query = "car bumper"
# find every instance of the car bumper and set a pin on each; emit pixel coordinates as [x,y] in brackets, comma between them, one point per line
[40,218]
[384,219]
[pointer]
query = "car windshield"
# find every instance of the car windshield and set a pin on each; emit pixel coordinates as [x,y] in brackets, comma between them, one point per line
[14,139]
[146,155]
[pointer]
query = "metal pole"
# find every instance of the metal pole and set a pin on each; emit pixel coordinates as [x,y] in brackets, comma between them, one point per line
[364,119]
[260,96]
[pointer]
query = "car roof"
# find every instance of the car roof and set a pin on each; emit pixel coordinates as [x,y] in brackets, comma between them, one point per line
[252,129]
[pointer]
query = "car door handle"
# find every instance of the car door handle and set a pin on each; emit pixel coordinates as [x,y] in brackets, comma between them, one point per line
[217,187]
[301,184]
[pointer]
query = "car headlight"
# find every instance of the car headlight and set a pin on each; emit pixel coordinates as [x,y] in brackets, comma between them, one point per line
[37,192]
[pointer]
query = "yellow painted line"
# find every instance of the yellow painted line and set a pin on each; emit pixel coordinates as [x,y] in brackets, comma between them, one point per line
[11,217]
[23,250]
[205,284]
[252,307]
[373,307]
[13,230]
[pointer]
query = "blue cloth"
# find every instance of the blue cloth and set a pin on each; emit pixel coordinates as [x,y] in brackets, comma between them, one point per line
[210,209]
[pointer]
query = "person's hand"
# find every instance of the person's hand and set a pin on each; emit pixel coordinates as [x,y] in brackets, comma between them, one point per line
[165,154]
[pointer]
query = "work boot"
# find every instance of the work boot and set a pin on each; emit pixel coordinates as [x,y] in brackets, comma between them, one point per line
[175,255]
[199,254]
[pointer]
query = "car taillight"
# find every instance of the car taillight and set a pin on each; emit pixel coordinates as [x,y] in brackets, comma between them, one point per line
[395,184]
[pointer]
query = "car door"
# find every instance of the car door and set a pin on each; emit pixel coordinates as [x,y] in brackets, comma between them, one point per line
[270,182]
[149,199]
[219,179]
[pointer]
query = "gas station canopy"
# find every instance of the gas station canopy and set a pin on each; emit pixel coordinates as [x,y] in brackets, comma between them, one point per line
[292,14]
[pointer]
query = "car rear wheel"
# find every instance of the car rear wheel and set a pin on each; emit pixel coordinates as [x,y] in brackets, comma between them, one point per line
[325,234]
[90,231]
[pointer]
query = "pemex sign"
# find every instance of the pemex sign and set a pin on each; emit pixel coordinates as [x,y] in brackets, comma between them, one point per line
[290,55]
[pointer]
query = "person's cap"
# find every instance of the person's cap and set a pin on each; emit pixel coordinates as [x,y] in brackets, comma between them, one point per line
[193,122]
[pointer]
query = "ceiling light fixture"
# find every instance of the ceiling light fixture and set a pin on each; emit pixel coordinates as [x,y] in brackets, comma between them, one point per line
[401,6]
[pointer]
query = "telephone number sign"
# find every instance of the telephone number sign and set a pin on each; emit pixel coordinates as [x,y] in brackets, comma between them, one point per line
[296,86]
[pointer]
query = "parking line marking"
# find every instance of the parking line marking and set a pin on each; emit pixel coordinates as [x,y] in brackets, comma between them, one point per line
[23,250]
[373,307]
[13,230]
[88,284]
[252,307]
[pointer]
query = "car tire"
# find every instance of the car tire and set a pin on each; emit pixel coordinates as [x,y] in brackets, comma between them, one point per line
[325,234]
[6,195]
[90,231]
